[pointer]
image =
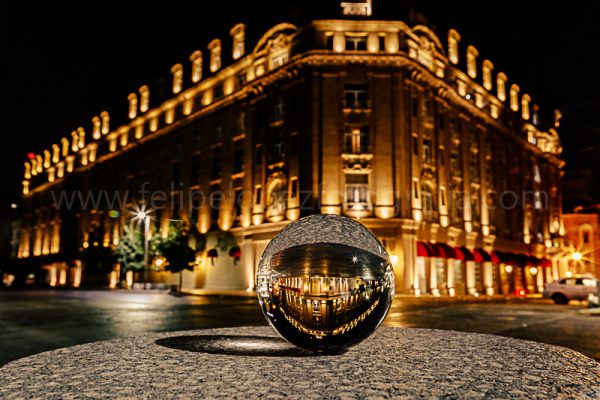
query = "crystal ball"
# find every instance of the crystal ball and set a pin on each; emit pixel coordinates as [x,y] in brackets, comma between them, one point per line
[325,283]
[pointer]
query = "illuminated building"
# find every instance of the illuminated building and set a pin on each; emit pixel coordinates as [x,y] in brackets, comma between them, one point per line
[583,237]
[419,138]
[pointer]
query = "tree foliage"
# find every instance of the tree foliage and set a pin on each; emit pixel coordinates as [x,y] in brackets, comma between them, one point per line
[175,248]
[130,250]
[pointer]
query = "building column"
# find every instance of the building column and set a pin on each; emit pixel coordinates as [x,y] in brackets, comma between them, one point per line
[470,278]
[409,255]
[247,263]
[433,283]
[488,278]
[450,276]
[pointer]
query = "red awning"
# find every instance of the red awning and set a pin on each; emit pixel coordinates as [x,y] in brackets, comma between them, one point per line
[546,263]
[445,251]
[464,254]
[481,255]
[498,257]
[423,250]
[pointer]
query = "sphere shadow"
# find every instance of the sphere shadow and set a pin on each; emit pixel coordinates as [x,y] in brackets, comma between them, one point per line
[262,346]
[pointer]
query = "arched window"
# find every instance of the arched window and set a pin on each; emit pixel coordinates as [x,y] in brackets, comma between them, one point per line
[215,55]
[144,98]
[238,35]
[105,122]
[196,60]
[472,55]
[97,124]
[65,146]
[133,104]
[525,100]
[514,97]
[177,72]
[453,39]
[501,86]
[486,71]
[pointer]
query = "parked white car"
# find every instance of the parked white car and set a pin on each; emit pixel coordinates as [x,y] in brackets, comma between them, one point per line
[575,288]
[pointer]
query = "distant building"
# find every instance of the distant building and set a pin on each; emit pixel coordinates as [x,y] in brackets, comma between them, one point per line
[583,236]
[427,144]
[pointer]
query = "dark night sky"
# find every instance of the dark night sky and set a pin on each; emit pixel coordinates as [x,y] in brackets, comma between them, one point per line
[60,65]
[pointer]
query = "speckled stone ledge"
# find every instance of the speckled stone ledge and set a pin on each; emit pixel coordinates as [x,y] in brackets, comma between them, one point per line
[254,362]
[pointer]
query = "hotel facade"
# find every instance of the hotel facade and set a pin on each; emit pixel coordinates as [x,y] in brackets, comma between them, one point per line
[415,134]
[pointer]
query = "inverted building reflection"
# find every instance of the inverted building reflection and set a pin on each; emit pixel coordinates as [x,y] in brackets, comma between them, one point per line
[324,290]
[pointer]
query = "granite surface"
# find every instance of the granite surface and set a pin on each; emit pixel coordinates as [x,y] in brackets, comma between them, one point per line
[325,228]
[254,362]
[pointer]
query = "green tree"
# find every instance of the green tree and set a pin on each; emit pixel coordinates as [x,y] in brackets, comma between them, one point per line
[130,250]
[176,249]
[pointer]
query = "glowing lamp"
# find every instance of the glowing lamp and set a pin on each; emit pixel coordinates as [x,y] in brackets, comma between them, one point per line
[31,156]
[576,256]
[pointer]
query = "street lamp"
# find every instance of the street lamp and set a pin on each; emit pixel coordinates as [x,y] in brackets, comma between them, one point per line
[141,215]
[576,256]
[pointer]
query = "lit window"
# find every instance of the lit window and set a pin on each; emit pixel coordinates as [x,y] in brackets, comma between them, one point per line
[215,55]
[74,141]
[144,98]
[27,170]
[104,116]
[501,86]
[177,72]
[65,146]
[196,60]
[453,39]
[47,158]
[472,55]
[356,140]
[486,71]
[357,192]
[525,100]
[514,97]
[238,35]
[80,137]
[96,122]
[133,103]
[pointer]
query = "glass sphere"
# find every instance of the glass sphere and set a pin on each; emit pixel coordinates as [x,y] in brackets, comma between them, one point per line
[325,283]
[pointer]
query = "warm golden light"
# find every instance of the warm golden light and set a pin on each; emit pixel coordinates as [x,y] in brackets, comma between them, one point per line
[196,60]
[215,55]
[472,55]
[133,104]
[576,256]
[144,98]
[105,117]
[97,126]
[177,71]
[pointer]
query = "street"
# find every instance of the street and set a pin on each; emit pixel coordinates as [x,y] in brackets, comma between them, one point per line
[40,320]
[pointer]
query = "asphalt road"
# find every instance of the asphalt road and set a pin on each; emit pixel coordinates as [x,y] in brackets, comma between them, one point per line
[41,320]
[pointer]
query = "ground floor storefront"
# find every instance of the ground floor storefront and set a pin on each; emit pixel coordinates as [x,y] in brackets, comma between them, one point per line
[427,259]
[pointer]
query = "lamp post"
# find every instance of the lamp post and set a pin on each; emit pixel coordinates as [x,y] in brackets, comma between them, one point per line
[143,216]
[146,228]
